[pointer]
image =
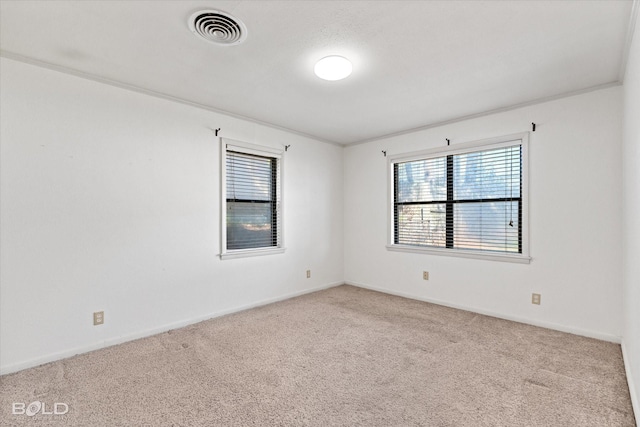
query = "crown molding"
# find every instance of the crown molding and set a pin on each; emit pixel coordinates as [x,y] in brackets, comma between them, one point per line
[155,94]
[631,29]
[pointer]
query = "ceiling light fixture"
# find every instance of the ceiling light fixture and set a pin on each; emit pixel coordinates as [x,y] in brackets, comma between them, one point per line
[333,68]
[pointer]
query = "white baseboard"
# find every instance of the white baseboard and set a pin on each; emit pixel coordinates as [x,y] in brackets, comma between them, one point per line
[542,324]
[14,367]
[631,383]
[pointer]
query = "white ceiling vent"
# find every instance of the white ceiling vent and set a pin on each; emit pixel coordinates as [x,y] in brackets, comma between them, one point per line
[218,27]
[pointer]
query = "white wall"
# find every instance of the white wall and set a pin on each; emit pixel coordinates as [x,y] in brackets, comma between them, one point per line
[631,223]
[575,232]
[110,201]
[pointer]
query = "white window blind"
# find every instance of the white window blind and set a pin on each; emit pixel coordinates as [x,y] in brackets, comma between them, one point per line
[252,200]
[469,200]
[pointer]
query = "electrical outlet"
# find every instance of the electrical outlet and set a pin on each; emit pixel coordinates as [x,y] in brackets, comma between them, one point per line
[308,274]
[98,318]
[425,275]
[535,299]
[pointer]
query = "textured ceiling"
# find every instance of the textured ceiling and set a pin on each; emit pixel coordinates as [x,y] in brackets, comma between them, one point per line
[416,63]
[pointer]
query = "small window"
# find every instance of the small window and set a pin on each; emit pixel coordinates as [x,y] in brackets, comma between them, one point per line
[466,200]
[251,205]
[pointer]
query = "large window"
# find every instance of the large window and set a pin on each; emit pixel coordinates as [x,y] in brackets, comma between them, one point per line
[466,200]
[252,218]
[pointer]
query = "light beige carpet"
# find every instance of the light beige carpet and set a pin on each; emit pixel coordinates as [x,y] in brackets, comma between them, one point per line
[340,357]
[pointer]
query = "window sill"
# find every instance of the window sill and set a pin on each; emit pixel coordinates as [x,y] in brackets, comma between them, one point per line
[245,253]
[520,259]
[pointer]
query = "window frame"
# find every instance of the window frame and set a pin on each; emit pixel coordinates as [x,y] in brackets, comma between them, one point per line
[227,144]
[457,149]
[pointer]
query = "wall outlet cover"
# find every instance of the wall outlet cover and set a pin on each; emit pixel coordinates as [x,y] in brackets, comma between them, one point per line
[98,318]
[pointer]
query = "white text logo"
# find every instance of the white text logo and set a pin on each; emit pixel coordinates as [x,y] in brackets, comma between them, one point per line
[33,408]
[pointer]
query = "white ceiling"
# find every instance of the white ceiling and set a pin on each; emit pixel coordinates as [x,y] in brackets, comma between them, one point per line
[416,63]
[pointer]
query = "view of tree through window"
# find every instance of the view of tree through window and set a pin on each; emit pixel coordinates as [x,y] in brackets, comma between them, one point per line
[462,201]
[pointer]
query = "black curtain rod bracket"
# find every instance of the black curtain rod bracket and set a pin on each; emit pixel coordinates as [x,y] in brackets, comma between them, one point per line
[216,131]
[286,147]
[533,127]
[384,153]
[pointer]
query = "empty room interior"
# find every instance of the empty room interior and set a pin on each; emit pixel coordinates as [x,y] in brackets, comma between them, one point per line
[322,213]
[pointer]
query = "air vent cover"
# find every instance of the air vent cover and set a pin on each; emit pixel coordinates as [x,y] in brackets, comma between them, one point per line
[218,27]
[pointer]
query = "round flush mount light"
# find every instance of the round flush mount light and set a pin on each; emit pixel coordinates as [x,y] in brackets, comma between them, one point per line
[333,68]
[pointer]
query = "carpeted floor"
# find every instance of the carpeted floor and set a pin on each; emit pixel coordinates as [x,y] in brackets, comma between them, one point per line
[341,357]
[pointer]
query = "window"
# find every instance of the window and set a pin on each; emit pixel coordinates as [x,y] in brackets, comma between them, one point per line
[251,188]
[465,200]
